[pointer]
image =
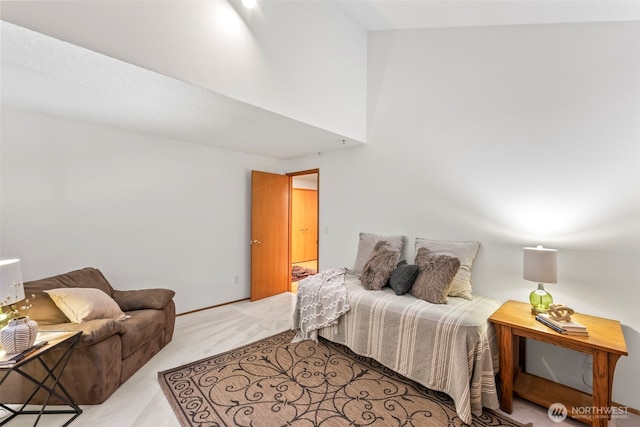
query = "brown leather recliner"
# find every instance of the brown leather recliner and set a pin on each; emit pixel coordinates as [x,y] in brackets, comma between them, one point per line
[109,351]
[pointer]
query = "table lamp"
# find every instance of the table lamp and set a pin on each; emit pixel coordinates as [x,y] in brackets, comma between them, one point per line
[540,265]
[11,290]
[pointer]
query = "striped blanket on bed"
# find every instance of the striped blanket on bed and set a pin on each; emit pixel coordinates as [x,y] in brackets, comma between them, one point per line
[450,347]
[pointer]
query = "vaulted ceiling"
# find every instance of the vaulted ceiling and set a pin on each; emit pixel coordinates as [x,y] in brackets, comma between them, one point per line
[82,82]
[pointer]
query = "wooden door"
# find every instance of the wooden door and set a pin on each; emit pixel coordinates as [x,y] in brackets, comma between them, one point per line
[304,225]
[270,268]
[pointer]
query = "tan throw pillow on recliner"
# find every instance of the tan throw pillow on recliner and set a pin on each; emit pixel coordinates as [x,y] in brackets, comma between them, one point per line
[83,304]
[43,310]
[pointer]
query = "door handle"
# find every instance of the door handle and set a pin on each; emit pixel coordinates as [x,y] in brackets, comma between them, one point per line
[255,242]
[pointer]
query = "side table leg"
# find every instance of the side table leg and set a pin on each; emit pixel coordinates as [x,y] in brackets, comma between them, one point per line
[601,388]
[604,365]
[505,343]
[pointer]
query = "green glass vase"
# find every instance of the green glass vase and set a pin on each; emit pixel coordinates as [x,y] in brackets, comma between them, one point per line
[540,300]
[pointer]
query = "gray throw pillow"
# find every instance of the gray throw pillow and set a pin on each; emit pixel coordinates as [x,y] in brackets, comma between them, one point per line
[378,268]
[367,242]
[403,277]
[465,252]
[435,277]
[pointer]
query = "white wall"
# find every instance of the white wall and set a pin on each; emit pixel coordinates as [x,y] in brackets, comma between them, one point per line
[510,136]
[147,211]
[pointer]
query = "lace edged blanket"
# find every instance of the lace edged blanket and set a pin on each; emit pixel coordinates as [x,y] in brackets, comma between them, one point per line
[321,300]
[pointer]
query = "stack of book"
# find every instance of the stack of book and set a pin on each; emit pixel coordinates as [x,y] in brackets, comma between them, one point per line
[568,327]
[12,359]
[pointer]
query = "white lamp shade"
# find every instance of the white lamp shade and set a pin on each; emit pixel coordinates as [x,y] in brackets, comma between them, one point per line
[540,265]
[11,290]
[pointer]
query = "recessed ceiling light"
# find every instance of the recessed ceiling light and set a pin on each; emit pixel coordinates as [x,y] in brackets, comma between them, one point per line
[249,4]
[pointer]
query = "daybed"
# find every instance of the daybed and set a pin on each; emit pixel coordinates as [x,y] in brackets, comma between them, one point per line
[110,349]
[450,347]
[446,347]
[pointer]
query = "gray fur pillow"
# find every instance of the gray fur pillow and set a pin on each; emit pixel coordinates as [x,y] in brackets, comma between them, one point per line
[378,268]
[435,277]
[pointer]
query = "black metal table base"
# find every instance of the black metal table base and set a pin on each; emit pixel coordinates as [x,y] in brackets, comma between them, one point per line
[55,389]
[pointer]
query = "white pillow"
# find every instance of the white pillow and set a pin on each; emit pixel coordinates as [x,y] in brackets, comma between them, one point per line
[465,252]
[366,244]
[83,304]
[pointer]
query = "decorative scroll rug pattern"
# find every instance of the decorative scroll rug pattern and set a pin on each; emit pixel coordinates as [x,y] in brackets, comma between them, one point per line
[274,382]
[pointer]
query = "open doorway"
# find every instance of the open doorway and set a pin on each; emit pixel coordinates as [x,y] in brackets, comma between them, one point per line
[304,225]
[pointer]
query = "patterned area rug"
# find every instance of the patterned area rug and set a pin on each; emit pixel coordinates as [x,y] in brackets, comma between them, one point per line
[274,382]
[299,273]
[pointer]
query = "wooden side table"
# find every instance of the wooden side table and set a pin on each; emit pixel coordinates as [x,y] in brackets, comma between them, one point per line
[51,382]
[514,322]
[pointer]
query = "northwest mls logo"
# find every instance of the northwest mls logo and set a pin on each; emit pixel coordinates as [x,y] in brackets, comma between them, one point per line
[557,412]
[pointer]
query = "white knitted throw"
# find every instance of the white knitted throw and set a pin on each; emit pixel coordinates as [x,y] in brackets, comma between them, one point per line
[321,300]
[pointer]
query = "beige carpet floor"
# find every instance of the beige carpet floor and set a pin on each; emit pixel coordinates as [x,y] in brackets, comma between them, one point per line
[274,382]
